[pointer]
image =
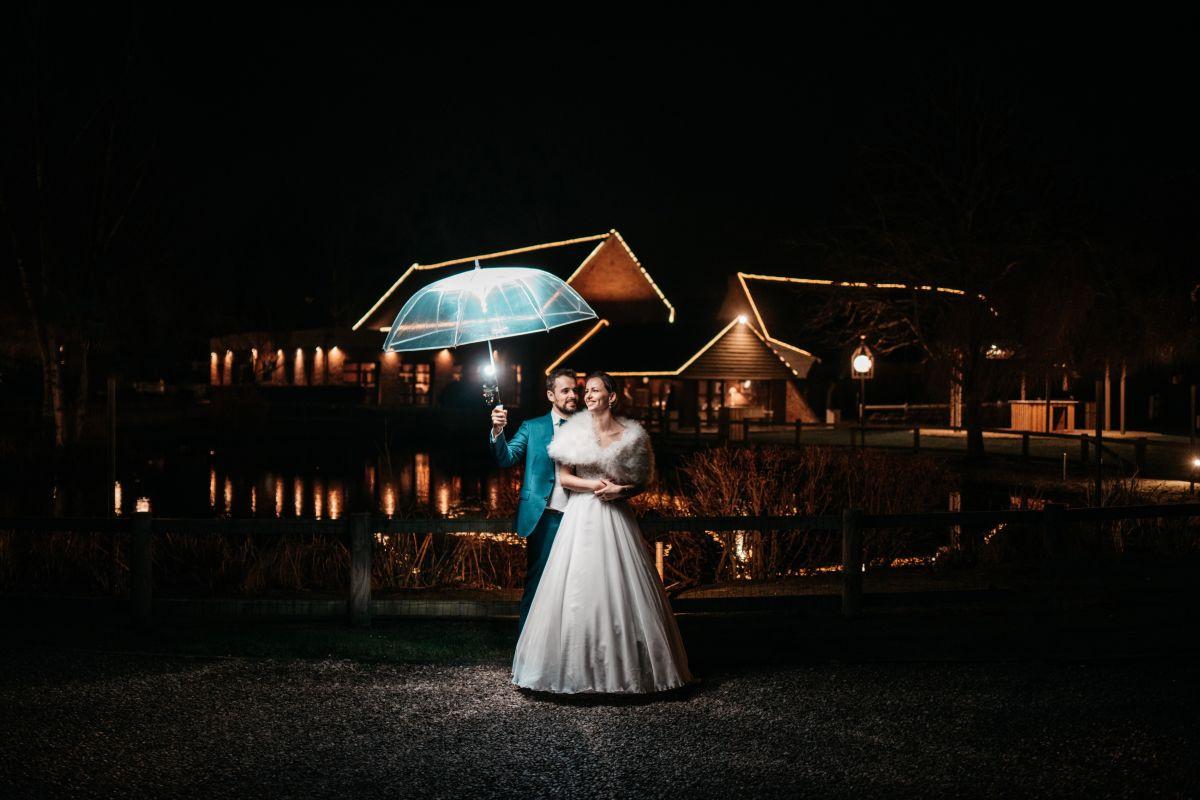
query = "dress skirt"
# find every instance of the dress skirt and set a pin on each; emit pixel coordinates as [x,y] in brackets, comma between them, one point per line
[600,621]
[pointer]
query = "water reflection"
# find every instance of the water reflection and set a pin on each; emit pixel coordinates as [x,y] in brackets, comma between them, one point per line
[389,500]
[449,493]
[422,463]
[335,499]
[408,484]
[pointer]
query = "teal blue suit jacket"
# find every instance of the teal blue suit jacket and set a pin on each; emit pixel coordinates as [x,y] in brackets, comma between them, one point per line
[530,442]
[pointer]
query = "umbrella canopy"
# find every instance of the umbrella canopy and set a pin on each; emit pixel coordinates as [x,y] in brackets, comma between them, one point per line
[485,304]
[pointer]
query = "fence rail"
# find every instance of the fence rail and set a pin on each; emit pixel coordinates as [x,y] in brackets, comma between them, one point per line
[359,529]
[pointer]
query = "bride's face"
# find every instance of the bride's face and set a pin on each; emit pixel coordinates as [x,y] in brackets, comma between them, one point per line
[595,396]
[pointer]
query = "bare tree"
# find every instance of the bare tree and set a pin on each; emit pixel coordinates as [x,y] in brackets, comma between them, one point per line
[71,172]
[955,237]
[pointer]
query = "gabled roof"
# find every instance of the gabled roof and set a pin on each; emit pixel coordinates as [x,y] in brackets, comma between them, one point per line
[663,349]
[781,313]
[560,258]
[761,323]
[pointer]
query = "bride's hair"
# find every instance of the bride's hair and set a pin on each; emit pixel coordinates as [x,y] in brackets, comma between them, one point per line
[610,385]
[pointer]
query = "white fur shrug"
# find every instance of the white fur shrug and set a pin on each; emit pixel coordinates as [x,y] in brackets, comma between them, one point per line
[627,460]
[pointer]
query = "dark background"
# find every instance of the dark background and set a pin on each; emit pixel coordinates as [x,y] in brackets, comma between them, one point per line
[299,159]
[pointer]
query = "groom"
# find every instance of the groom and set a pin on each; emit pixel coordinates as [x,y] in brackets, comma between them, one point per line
[543,498]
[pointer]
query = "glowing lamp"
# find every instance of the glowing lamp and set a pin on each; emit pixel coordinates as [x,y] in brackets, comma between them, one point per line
[741,318]
[862,363]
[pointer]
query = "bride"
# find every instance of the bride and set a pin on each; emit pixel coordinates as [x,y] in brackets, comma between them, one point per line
[600,621]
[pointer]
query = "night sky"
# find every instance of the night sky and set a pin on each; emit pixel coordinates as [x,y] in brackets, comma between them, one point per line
[303,158]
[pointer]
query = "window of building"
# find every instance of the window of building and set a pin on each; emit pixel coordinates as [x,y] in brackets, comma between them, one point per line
[359,373]
[414,385]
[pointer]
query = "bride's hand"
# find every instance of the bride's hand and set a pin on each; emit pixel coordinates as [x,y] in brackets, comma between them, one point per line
[598,485]
[609,491]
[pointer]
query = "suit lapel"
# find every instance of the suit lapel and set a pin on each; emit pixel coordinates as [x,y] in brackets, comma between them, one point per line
[548,427]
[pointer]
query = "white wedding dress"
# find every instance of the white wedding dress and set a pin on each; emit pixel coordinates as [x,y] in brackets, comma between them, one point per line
[600,621]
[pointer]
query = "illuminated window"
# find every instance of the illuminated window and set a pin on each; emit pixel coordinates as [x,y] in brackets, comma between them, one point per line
[414,385]
[359,373]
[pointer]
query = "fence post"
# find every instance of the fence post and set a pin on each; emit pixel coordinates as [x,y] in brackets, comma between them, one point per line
[745,430]
[697,438]
[141,569]
[114,565]
[1139,454]
[799,426]
[1083,449]
[360,570]
[1052,523]
[1024,446]
[852,557]
[916,438]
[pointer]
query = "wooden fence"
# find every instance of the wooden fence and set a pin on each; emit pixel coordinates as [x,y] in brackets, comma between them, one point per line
[360,530]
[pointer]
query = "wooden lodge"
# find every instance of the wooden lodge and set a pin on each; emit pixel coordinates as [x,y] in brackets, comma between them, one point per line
[349,365]
[737,358]
[679,373]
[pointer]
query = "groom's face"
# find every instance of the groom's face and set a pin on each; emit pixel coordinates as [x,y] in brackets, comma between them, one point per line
[563,396]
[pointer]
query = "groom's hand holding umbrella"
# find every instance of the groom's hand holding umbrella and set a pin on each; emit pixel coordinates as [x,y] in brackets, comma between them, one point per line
[499,420]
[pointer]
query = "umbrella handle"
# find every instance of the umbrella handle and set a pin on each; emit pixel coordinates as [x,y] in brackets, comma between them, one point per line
[495,378]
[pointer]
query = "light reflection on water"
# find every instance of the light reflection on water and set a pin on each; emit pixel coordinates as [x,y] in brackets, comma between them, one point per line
[417,483]
[217,484]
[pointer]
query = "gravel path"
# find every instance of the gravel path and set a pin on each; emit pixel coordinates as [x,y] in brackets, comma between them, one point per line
[86,724]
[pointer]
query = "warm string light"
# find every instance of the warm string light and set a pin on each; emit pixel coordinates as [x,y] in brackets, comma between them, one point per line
[567,353]
[646,275]
[117,499]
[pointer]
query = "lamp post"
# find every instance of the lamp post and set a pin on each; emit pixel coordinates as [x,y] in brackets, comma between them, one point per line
[862,366]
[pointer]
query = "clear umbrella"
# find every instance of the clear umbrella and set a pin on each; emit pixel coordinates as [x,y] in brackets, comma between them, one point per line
[485,304]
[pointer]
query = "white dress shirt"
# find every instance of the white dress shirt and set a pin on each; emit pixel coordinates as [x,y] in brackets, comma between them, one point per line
[558,497]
